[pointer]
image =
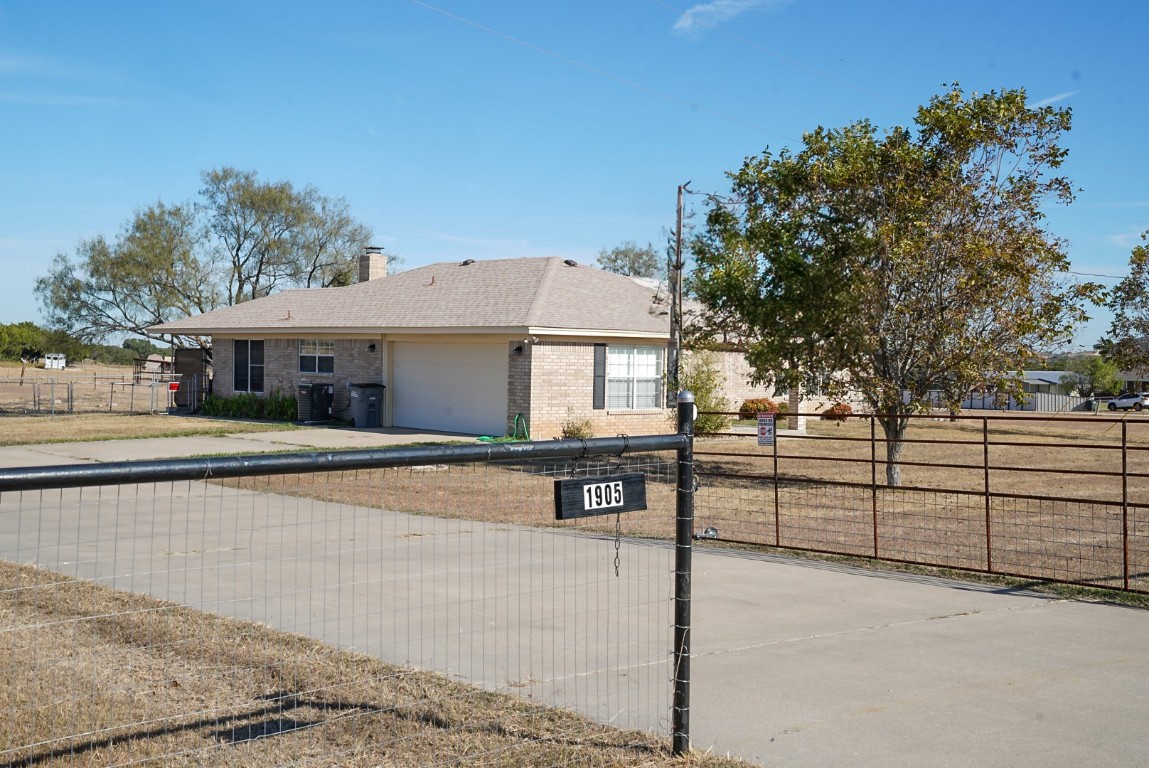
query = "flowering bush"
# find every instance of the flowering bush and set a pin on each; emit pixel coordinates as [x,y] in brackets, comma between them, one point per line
[753,406]
[837,412]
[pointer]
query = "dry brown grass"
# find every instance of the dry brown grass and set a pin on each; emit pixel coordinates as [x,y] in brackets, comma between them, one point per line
[26,389]
[93,676]
[943,522]
[1079,533]
[517,494]
[842,452]
[30,430]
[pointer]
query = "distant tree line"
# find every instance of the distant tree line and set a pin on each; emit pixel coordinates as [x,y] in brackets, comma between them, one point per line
[29,343]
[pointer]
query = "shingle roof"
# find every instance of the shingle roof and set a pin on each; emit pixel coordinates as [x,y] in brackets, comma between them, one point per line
[505,294]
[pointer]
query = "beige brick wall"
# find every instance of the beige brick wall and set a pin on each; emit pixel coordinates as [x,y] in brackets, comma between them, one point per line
[355,363]
[519,365]
[222,363]
[549,383]
[562,389]
[736,372]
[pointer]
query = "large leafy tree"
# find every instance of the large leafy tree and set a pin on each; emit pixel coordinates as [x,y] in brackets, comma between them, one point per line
[1089,376]
[253,223]
[1127,344]
[892,264]
[21,341]
[632,260]
[242,239]
[29,342]
[156,270]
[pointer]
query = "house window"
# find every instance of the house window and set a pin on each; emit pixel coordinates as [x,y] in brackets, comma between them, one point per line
[316,356]
[248,374]
[633,377]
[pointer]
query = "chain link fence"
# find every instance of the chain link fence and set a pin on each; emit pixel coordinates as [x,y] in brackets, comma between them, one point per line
[50,393]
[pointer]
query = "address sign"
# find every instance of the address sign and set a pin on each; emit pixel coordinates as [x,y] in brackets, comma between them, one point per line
[588,496]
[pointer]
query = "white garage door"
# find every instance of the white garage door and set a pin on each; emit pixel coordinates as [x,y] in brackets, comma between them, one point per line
[450,387]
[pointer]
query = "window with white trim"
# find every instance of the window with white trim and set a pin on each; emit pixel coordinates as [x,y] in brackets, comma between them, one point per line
[633,377]
[316,356]
[247,375]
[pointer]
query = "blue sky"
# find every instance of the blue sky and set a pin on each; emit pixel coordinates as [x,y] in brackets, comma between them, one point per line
[464,129]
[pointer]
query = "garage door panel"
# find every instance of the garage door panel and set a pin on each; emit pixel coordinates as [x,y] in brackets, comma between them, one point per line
[450,387]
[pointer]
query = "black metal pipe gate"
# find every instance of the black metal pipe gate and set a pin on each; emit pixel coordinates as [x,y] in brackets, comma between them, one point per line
[157,471]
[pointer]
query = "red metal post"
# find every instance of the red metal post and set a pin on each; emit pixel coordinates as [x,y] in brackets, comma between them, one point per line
[1125,504]
[985,469]
[874,477]
[777,505]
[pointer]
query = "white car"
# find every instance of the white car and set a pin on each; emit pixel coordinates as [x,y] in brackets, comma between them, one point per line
[1133,400]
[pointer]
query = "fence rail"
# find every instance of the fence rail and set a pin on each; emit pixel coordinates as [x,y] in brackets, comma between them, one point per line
[136,598]
[1063,500]
[61,392]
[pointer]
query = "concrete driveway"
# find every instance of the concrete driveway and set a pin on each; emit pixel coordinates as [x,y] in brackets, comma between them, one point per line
[807,664]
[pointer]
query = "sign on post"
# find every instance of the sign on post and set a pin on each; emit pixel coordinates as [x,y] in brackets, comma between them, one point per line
[766,429]
[589,496]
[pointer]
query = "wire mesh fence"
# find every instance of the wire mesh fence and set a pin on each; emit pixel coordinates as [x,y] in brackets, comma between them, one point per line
[49,393]
[426,613]
[1063,500]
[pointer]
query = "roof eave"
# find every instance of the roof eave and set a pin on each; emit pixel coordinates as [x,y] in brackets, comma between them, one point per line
[380,331]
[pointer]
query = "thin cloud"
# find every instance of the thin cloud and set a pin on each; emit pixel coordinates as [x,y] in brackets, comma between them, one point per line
[26,65]
[59,100]
[706,16]
[1125,239]
[1117,204]
[1052,99]
[39,66]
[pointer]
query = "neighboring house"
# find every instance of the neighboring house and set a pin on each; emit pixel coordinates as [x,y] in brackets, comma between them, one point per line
[470,347]
[1048,382]
[1135,381]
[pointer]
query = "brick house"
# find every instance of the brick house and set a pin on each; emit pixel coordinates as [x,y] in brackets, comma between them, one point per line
[473,347]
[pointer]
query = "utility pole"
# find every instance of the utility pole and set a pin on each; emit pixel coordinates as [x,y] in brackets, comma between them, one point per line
[675,276]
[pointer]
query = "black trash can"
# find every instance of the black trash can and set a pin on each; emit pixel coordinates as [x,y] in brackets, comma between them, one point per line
[366,405]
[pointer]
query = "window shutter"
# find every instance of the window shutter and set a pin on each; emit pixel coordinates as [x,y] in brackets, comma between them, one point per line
[240,363]
[599,376]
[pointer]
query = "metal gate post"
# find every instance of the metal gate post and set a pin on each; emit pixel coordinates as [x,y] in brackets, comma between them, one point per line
[1124,504]
[684,531]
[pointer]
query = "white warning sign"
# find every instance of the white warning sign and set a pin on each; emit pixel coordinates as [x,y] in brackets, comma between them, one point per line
[765,429]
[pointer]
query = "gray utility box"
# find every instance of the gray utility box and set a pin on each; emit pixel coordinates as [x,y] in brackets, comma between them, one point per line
[366,404]
[314,402]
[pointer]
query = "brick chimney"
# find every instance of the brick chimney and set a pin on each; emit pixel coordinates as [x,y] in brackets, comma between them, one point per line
[372,264]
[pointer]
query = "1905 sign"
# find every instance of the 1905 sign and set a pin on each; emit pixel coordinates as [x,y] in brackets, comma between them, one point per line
[587,496]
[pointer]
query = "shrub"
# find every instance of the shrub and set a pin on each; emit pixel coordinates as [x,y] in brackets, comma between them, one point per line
[753,406]
[274,406]
[577,429]
[698,372]
[837,412]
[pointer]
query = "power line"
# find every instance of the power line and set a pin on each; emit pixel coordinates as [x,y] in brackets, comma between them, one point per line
[1092,274]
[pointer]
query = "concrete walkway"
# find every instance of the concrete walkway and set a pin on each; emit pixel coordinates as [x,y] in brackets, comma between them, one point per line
[795,663]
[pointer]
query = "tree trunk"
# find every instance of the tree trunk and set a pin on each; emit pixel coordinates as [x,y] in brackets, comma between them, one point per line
[894,428]
[893,468]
